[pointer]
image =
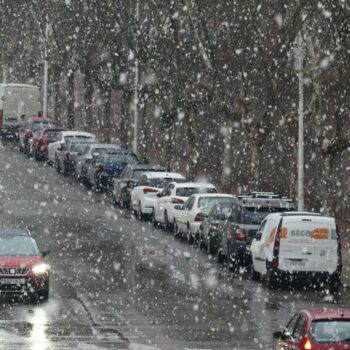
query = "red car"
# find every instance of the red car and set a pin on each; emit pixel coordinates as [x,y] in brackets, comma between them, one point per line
[46,136]
[31,130]
[316,329]
[23,270]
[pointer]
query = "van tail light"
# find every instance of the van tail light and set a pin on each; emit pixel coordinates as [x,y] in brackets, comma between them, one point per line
[1,116]
[99,169]
[240,235]
[200,217]
[306,344]
[276,247]
[339,262]
[177,201]
[149,190]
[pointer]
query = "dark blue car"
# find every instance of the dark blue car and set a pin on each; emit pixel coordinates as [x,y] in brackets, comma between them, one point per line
[111,165]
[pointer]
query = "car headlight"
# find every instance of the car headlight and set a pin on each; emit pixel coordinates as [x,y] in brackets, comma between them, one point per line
[40,269]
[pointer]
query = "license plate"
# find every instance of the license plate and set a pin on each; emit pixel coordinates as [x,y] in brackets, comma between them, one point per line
[16,281]
[297,263]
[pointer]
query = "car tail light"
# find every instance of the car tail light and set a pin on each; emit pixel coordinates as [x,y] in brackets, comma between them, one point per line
[100,169]
[149,190]
[276,248]
[199,217]
[177,201]
[240,235]
[339,262]
[1,116]
[306,344]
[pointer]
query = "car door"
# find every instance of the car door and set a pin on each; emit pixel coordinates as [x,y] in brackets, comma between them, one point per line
[162,201]
[136,191]
[293,333]
[257,250]
[184,214]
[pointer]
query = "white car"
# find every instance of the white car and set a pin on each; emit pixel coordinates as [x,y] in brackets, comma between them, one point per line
[58,146]
[174,194]
[297,245]
[144,194]
[189,216]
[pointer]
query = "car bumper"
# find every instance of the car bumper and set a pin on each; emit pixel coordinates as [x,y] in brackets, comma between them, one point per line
[311,276]
[24,285]
[195,226]
[148,205]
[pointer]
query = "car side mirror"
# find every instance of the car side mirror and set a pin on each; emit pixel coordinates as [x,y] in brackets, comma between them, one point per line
[179,207]
[158,194]
[44,253]
[278,335]
[257,235]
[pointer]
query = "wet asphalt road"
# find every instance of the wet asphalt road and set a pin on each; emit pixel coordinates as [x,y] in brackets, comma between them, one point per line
[118,283]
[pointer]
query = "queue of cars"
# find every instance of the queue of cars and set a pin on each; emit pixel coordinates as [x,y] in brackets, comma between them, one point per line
[258,232]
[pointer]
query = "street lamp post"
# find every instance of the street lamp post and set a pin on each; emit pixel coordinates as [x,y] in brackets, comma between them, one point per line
[46,69]
[300,61]
[136,87]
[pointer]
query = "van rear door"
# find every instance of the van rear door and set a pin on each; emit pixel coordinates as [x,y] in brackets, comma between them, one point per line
[308,244]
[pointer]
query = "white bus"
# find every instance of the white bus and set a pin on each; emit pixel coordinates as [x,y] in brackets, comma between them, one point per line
[18,102]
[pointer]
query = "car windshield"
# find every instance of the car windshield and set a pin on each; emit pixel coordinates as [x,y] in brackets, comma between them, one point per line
[120,158]
[328,331]
[17,245]
[204,202]
[188,191]
[255,215]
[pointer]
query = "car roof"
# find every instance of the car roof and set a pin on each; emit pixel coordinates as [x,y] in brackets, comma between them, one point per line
[41,119]
[77,133]
[14,232]
[213,195]
[58,129]
[106,145]
[160,174]
[193,184]
[119,151]
[290,215]
[324,313]
[147,167]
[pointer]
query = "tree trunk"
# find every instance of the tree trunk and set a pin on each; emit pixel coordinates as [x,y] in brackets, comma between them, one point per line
[88,93]
[226,173]
[70,101]
[255,167]
[143,134]
[192,143]
[57,111]
[107,116]
[124,120]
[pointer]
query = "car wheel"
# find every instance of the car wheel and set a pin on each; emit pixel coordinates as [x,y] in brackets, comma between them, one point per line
[334,283]
[211,246]
[58,168]
[43,296]
[253,275]
[139,212]
[221,257]
[167,225]
[153,219]
[176,229]
[271,279]
[190,236]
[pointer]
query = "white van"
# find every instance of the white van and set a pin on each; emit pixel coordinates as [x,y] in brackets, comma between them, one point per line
[297,245]
[18,102]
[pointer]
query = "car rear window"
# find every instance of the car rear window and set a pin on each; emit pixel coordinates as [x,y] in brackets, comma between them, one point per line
[120,158]
[17,246]
[188,191]
[51,134]
[78,147]
[204,202]
[162,182]
[327,331]
[39,125]
[255,215]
